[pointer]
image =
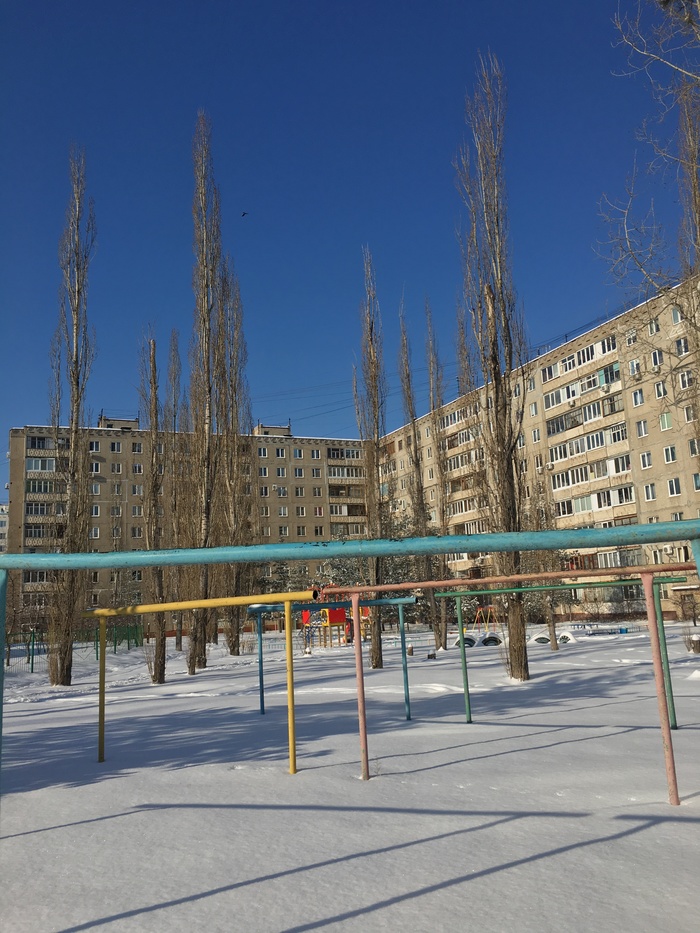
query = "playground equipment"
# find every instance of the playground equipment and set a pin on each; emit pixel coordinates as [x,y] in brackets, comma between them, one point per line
[566,539]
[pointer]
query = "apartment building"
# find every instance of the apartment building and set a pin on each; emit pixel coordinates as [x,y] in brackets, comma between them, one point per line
[303,489]
[610,436]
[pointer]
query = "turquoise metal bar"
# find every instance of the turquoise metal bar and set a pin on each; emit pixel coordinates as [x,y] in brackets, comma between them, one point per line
[404,663]
[668,686]
[656,533]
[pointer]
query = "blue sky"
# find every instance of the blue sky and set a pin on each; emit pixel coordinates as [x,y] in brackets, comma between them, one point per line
[335,125]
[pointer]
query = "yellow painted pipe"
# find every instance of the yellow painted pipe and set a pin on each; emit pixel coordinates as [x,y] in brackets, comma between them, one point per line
[262,598]
[290,688]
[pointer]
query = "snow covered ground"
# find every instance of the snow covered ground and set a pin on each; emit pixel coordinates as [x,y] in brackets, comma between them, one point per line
[548,813]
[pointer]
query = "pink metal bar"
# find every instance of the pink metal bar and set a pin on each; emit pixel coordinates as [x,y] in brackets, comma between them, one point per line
[648,583]
[361,713]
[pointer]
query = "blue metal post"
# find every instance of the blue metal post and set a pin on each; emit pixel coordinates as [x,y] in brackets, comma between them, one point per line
[402,629]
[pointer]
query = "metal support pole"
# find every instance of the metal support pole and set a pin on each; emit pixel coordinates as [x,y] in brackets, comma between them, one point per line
[359,673]
[101,701]
[673,798]
[668,686]
[31,656]
[462,651]
[402,629]
[290,688]
[260,664]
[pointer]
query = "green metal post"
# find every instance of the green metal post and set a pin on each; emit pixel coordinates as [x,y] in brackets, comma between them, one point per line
[31,654]
[402,629]
[114,630]
[668,686]
[465,677]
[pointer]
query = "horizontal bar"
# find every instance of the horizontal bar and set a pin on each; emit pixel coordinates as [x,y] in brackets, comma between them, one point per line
[556,586]
[625,535]
[202,603]
[343,604]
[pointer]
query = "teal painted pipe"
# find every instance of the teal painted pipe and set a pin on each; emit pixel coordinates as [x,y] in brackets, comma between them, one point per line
[656,533]
[496,591]
[465,677]
[668,686]
[402,629]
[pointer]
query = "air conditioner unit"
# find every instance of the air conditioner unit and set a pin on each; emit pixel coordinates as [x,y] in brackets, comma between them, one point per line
[605,388]
[550,466]
[656,369]
[538,469]
[572,402]
[669,549]
[637,375]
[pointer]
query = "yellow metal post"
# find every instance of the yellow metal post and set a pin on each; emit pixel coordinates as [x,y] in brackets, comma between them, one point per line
[290,688]
[101,708]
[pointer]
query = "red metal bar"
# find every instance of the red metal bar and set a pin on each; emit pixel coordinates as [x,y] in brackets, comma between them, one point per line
[361,713]
[648,583]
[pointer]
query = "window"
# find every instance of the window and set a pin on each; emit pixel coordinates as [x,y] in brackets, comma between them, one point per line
[136,489]
[115,511]
[642,428]
[116,489]
[650,492]
[137,447]
[264,491]
[660,389]
[533,409]
[585,354]
[136,511]
[94,447]
[115,447]
[682,346]
[317,492]
[95,489]
[298,491]
[566,507]
[665,422]
[37,508]
[95,467]
[608,344]
[262,451]
[136,531]
[689,413]
[298,453]
[634,367]
[638,397]
[301,531]
[280,453]
[645,459]
[604,499]
[591,412]
[654,326]
[536,436]
[694,447]
[550,372]
[266,531]
[116,468]
[298,472]
[657,357]
[677,517]
[315,454]
[94,532]
[696,482]
[95,511]
[281,492]
[262,471]
[676,315]
[670,454]
[283,511]
[264,510]
[137,468]
[631,337]
[318,531]
[316,472]
[685,379]
[281,472]
[284,531]
[622,464]
[301,511]
[674,486]
[318,511]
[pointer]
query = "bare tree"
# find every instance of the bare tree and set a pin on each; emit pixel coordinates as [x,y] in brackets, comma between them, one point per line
[152,499]
[370,392]
[207,267]
[495,345]
[74,346]
[234,420]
